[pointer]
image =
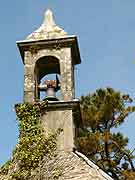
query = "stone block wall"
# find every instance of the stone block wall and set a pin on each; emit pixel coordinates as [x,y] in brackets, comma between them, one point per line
[60,119]
[66,72]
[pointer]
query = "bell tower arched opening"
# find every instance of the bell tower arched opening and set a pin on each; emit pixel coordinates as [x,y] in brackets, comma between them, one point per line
[47,74]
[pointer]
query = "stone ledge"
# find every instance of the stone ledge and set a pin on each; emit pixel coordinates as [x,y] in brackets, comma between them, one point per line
[73,104]
[70,41]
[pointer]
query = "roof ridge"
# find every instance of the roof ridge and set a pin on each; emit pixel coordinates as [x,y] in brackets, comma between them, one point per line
[93,165]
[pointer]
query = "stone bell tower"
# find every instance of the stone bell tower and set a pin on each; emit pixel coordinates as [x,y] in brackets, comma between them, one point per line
[50,50]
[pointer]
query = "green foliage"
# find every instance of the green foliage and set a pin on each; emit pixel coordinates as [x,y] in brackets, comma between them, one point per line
[56,173]
[33,144]
[103,111]
[4,169]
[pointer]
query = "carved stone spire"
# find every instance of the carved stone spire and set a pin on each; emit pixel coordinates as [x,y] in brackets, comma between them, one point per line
[48,30]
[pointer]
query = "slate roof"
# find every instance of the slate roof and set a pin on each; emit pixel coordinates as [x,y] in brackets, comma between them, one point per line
[72,166]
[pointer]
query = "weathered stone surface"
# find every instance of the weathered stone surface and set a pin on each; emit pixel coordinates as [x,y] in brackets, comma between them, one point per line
[49,41]
[60,115]
[66,72]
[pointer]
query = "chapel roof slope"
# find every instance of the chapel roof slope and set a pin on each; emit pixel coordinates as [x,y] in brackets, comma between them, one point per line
[65,166]
[73,166]
[48,29]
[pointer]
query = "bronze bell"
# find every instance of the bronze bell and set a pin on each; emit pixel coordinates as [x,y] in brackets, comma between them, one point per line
[50,87]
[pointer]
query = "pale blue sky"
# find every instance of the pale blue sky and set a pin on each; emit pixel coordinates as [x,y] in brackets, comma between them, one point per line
[106,34]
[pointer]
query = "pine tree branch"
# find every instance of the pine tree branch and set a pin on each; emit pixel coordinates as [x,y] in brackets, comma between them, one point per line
[126,154]
[123,115]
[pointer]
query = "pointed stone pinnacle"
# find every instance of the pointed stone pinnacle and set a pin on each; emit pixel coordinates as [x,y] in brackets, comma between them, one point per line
[48,29]
[49,19]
